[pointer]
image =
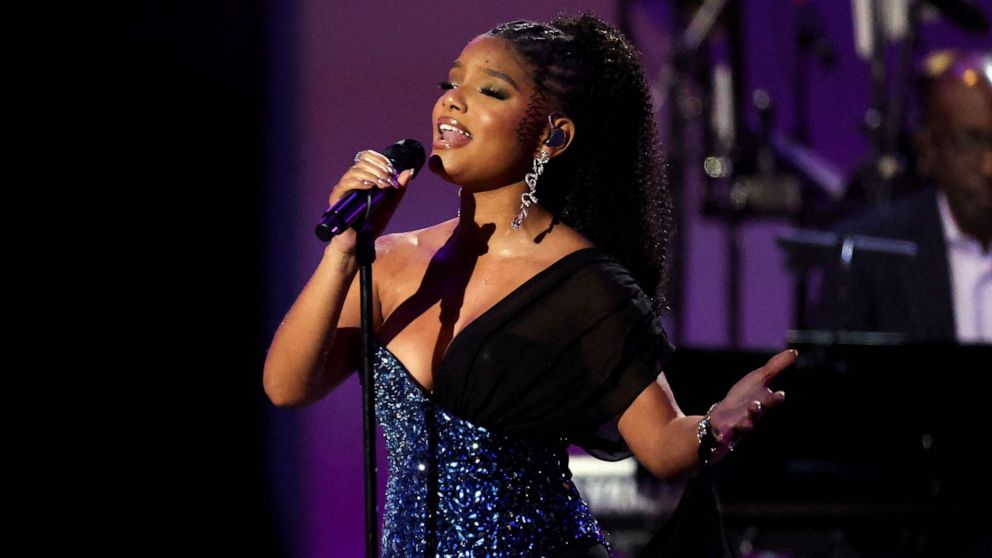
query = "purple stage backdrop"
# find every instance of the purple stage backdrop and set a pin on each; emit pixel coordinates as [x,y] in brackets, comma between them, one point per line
[352,75]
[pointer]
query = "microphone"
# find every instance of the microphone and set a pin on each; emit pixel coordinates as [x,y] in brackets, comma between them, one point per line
[358,204]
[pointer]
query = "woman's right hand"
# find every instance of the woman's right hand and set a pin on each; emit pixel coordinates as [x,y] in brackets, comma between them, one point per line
[371,170]
[315,346]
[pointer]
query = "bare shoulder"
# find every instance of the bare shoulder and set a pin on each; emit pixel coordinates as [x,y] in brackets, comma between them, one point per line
[397,246]
[397,251]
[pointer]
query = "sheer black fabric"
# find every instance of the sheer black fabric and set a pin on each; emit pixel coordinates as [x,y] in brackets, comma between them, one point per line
[564,354]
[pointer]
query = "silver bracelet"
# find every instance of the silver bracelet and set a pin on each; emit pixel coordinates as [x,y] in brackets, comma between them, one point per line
[706,438]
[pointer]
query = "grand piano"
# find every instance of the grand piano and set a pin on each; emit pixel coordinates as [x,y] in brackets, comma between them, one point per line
[879,450]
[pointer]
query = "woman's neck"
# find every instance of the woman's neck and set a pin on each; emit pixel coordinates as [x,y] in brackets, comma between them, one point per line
[487,217]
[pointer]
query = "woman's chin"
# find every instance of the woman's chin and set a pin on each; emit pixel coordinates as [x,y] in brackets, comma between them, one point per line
[436,166]
[448,172]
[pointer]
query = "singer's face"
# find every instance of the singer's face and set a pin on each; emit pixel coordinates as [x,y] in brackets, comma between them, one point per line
[478,115]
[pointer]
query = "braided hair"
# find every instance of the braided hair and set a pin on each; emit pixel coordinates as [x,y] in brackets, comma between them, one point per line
[609,184]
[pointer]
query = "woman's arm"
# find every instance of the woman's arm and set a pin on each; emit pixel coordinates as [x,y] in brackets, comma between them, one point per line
[316,346]
[665,441]
[661,437]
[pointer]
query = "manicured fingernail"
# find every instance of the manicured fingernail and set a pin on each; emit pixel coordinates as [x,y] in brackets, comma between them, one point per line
[794,352]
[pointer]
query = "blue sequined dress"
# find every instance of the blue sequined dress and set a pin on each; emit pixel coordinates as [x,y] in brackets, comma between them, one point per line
[479,466]
[457,489]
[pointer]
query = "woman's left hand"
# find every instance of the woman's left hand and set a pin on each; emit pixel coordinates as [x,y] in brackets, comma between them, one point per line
[748,400]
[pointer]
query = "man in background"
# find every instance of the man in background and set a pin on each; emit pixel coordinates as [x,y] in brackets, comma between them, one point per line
[945,292]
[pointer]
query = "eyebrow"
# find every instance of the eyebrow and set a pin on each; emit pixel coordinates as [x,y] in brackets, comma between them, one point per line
[494,73]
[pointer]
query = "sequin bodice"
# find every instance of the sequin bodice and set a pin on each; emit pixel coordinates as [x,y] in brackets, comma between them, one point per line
[456,489]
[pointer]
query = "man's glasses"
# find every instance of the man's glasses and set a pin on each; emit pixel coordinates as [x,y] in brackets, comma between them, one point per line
[969,143]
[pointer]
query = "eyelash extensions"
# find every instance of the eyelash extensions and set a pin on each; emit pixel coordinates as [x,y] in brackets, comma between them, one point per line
[486,90]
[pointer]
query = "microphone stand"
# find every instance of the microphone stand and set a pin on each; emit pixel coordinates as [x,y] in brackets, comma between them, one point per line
[365,254]
[405,154]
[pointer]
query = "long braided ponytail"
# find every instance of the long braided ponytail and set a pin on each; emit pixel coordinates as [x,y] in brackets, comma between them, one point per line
[609,185]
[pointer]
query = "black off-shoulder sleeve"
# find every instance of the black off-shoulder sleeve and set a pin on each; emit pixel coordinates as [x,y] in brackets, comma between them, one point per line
[563,355]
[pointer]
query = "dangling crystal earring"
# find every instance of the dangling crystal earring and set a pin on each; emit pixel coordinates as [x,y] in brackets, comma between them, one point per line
[529,197]
[459,202]
[556,139]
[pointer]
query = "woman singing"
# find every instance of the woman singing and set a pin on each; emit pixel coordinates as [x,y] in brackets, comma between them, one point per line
[520,326]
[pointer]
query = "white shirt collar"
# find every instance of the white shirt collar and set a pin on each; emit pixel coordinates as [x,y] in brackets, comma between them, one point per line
[952,232]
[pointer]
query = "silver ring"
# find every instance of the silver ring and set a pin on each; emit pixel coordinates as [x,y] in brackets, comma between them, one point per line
[358,156]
